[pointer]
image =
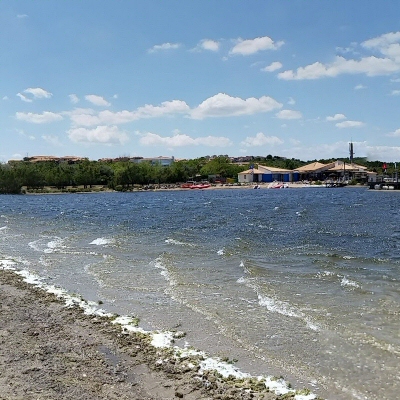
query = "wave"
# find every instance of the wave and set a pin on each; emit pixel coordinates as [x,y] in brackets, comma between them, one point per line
[275,305]
[178,243]
[44,245]
[159,263]
[344,280]
[102,241]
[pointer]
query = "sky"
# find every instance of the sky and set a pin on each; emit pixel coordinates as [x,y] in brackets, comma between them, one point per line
[190,78]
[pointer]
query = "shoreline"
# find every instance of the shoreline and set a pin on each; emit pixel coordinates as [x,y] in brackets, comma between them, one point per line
[173,187]
[55,351]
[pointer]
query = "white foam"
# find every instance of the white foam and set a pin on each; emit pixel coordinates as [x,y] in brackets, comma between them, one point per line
[220,252]
[278,306]
[178,243]
[162,339]
[54,244]
[102,241]
[43,246]
[158,263]
[349,283]
[225,369]
[7,264]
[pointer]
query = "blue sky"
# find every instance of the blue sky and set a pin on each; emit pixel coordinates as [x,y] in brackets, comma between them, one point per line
[191,78]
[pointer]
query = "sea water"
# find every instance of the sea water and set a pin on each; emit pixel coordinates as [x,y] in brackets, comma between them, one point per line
[302,283]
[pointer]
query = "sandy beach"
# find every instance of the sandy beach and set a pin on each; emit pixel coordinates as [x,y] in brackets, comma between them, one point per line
[50,351]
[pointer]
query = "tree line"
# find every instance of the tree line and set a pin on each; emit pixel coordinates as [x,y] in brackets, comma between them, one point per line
[114,175]
[121,175]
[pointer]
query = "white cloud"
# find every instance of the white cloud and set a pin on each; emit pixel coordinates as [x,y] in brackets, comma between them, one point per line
[88,117]
[44,118]
[22,16]
[97,100]
[260,140]
[182,140]
[336,117]
[38,93]
[272,67]
[100,134]
[220,105]
[252,46]
[396,133]
[359,87]
[349,124]
[387,153]
[164,47]
[395,92]
[383,41]
[289,114]
[387,45]
[291,101]
[208,44]
[5,98]
[223,105]
[24,98]
[83,117]
[371,66]
[73,98]
[166,107]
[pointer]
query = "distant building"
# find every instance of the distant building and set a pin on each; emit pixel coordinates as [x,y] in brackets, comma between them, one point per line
[265,174]
[315,171]
[163,161]
[60,160]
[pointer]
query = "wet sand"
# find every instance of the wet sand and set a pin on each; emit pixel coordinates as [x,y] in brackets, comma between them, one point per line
[50,351]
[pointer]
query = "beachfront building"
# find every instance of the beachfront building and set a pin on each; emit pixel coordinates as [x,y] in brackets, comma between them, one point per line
[315,171]
[265,174]
[338,170]
[250,175]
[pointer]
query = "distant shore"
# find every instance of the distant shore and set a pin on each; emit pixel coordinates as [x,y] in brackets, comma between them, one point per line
[165,187]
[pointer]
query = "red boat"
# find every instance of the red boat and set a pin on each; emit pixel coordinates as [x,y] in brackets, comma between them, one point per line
[195,185]
[188,184]
[200,186]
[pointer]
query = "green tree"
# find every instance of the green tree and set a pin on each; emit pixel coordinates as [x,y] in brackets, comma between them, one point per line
[10,181]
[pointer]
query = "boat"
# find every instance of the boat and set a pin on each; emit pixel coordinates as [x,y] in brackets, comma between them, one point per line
[195,185]
[188,184]
[200,186]
[278,185]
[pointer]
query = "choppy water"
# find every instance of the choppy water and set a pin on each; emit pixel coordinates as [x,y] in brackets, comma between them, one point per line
[298,282]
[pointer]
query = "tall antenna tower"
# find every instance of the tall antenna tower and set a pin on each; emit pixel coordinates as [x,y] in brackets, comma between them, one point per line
[351,150]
